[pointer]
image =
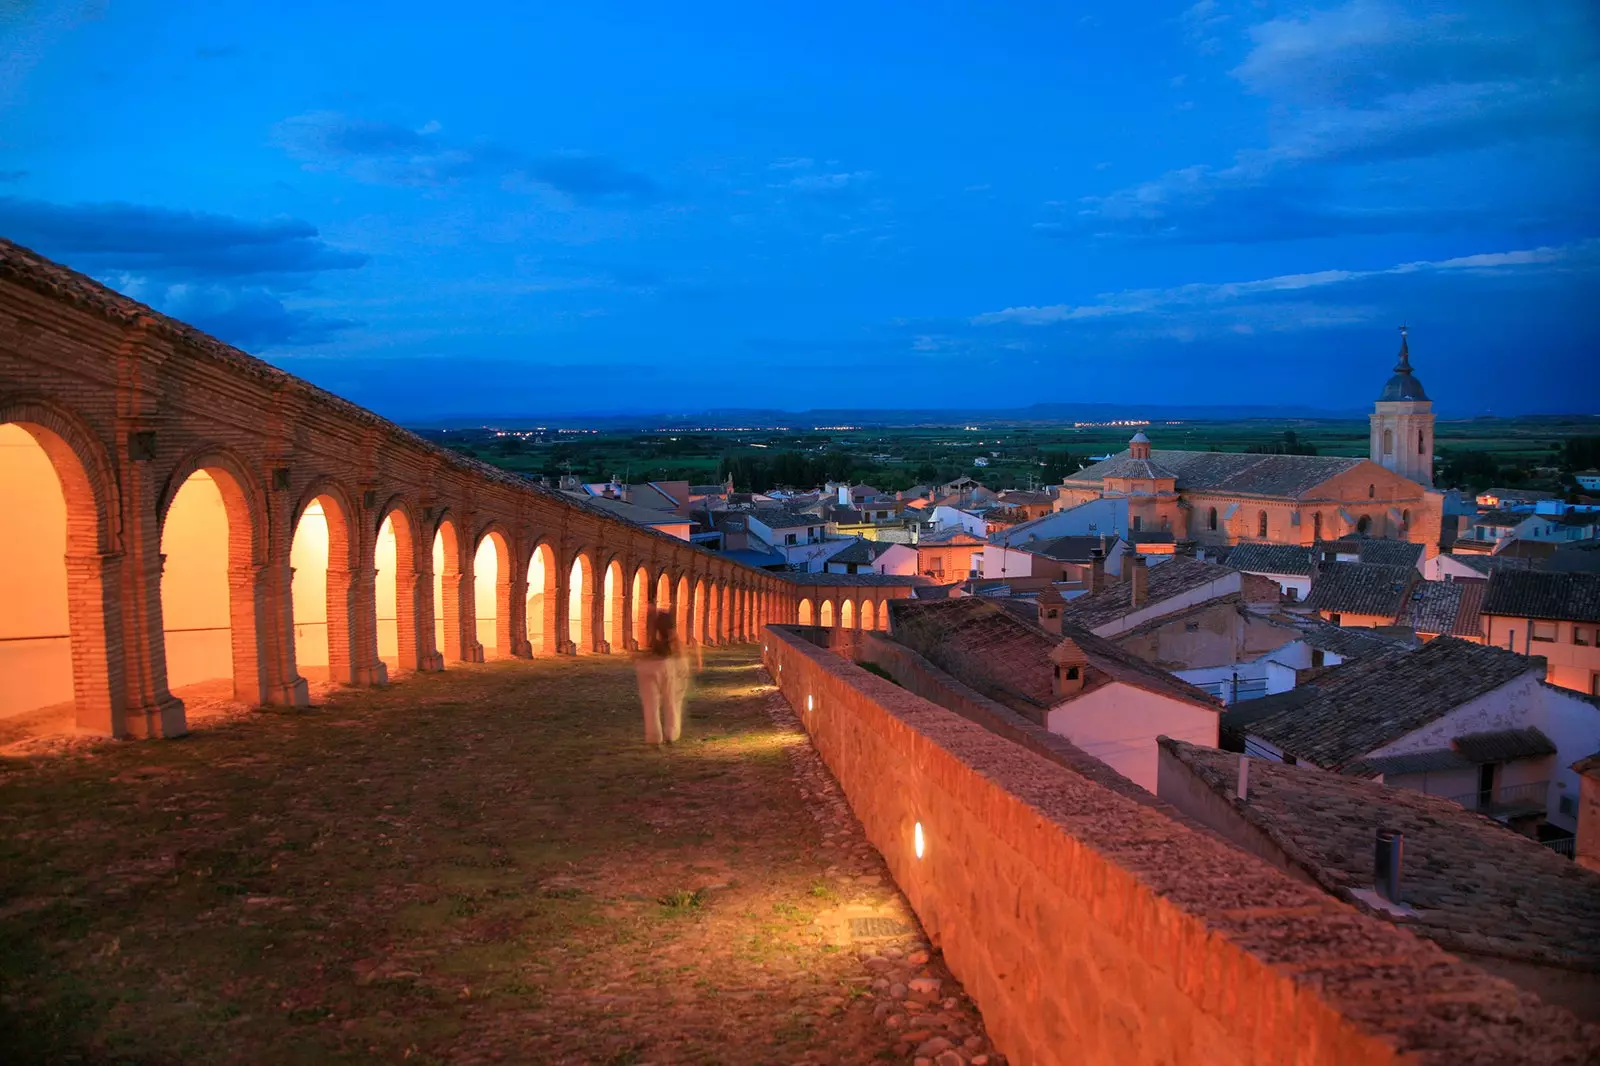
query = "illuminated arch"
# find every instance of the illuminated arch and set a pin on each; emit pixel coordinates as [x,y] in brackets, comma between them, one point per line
[806,612]
[491,592]
[447,634]
[826,620]
[641,605]
[702,633]
[869,614]
[541,603]
[847,614]
[321,553]
[212,542]
[613,607]
[580,604]
[402,642]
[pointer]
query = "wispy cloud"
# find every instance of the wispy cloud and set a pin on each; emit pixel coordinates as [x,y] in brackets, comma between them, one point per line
[388,153]
[1202,294]
[1366,82]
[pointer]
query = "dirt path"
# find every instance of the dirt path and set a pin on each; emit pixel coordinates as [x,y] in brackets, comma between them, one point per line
[482,867]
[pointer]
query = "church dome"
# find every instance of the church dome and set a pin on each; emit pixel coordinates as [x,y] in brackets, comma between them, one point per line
[1404,385]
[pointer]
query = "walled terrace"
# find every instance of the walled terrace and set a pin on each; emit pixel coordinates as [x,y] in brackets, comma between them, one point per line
[1092,922]
[180,512]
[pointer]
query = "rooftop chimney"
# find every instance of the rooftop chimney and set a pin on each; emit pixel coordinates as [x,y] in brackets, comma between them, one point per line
[1243,789]
[1097,568]
[844,495]
[1071,666]
[1138,576]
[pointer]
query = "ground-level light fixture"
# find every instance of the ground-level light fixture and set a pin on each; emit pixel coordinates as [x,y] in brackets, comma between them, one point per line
[809,705]
[917,842]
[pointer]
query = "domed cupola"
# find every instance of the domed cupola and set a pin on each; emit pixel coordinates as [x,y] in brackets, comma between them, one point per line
[1404,386]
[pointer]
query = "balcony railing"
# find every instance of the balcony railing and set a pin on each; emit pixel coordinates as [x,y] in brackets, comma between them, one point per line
[1567,846]
[1508,800]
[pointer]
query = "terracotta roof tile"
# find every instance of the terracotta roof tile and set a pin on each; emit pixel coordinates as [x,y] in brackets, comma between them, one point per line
[1361,588]
[1165,581]
[1567,597]
[1271,558]
[1232,472]
[1454,607]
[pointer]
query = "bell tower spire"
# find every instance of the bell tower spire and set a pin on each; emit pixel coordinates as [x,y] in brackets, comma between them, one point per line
[1402,422]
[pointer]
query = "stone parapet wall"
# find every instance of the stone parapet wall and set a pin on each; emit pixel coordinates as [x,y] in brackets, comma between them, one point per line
[1091,928]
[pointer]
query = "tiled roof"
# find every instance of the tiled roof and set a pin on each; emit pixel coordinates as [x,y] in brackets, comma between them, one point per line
[1016,653]
[1152,536]
[1503,745]
[1502,518]
[1137,469]
[1567,597]
[1358,707]
[1361,588]
[785,518]
[1165,580]
[952,535]
[1579,556]
[1024,498]
[1454,607]
[1486,563]
[800,578]
[628,512]
[861,552]
[1413,762]
[1233,472]
[1524,901]
[1376,549]
[1351,643]
[1271,558]
[1066,549]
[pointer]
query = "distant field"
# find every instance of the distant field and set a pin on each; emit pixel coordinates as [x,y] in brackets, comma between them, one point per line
[1476,451]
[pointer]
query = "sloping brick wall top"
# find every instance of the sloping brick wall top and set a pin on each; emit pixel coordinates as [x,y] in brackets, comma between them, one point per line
[1091,928]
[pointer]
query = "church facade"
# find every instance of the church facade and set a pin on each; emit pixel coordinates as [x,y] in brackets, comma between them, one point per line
[1220,499]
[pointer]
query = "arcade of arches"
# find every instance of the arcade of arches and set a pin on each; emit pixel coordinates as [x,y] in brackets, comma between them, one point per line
[192,516]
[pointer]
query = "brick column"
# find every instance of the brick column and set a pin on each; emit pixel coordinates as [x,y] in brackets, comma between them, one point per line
[280,678]
[413,608]
[512,629]
[249,618]
[362,629]
[94,618]
[149,710]
[596,595]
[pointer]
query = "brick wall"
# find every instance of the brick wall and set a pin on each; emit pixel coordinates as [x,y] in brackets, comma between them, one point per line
[1094,929]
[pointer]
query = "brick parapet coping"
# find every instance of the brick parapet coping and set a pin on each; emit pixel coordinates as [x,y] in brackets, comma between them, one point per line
[1093,928]
[128,403]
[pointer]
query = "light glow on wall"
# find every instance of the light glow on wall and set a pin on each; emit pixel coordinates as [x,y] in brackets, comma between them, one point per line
[917,842]
[485,592]
[575,607]
[809,706]
[308,554]
[385,558]
[194,584]
[36,654]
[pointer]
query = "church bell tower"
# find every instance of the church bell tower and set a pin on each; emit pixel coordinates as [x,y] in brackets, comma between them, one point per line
[1402,424]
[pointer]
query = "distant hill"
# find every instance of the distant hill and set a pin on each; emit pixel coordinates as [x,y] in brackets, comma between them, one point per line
[729,418]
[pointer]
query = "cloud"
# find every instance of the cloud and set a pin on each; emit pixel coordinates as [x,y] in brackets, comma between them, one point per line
[1134,302]
[1367,82]
[386,153]
[829,186]
[225,275]
[159,240]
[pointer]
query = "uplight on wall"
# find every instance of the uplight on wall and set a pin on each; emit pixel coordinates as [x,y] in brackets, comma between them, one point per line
[917,843]
[809,705]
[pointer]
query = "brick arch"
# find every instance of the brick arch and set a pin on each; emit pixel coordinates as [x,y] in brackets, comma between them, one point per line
[578,611]
[639,591]
[338,600]
[86,478]
[245,512]
[825,614]
[682,606]
[541,599]
[493,627]
[715,591]
[702,611]
[883,613]
[406,639]
[847,613]
[869,613]
[612,588]
[452,601]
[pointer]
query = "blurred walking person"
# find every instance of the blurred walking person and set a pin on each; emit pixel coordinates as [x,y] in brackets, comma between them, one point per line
[663,680]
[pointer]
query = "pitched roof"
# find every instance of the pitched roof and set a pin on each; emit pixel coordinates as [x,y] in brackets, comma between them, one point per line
[1164,581]
[1271,558]
[1503,745]
[628,512]
[1583,555]
[1361,588]
[1066,549]
[1233,472]
[785,518]
[1358,707]
[1016,653]
[1454,607]
[1350,643]
[952,535]
[1486,563]
[1525,901]
[1137,469]
[1566,597]
[1376,549]
[862,551]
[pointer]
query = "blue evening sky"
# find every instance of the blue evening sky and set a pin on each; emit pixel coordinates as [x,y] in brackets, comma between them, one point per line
[507,209]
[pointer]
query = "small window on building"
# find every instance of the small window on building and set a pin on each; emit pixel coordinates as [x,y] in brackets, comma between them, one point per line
[1191,627]
[1388,442]
[1051,613]
[1072,673]
[790,538]
[1372,491]
[1334,617]
[1138,523]
[1318,656]
[1364,525]
[1211,519]
[1568,806]
[1545,631]
[1405,518]
[1292,593]
[1582,636]
[1420,448]
[1594,684]
[1261,524]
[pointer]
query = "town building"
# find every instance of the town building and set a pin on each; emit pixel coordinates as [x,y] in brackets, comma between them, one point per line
[1553,615]
[1470,722]
[1224,498]
[668,522]
[863,556]
[1057,558]
[1110,704]
[951,554]
[1587,845]
[1497,899]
